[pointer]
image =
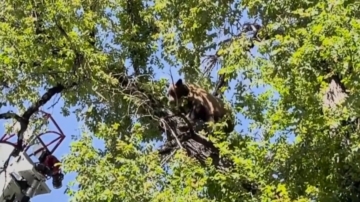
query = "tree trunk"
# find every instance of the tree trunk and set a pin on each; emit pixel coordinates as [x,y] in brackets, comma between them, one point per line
[348,175]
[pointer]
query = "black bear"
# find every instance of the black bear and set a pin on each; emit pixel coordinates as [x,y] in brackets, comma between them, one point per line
[202,104]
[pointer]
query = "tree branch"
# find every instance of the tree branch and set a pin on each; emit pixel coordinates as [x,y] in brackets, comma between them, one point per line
[11,115]
[43,100]
[25,117]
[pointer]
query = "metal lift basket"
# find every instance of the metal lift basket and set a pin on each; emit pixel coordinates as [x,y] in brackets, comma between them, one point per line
[20,181]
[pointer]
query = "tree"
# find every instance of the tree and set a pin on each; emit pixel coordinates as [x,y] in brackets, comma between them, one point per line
[104,56]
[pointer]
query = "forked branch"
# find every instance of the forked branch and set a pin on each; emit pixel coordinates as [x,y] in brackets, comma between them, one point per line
[25,117]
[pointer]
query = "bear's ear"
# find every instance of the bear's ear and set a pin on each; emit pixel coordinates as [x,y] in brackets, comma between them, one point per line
[179,82]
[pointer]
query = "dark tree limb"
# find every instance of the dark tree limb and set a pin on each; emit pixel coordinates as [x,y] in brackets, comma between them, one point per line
[25,117]
[11,115]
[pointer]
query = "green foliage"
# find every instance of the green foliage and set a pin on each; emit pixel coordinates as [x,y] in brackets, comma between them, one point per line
[306,44]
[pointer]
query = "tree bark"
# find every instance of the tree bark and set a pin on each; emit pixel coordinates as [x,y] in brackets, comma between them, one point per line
[348,182]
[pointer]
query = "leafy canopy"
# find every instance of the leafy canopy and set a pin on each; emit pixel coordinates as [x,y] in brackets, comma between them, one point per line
[92,43]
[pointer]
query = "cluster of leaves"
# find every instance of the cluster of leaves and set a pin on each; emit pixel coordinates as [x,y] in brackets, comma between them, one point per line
[307,46]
